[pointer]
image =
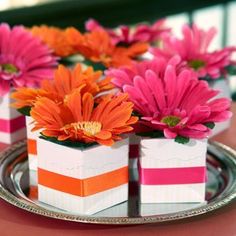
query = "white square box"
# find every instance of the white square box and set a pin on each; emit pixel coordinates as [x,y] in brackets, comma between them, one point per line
[32,144]
[172,172]
[82,181]
[12,123]
[223,86]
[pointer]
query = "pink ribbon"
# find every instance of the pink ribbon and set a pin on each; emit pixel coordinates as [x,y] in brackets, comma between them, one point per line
[168,176]
[10,126]
[133,151]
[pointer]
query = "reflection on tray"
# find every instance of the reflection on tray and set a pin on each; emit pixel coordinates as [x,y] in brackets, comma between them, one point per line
[166,208]
[132,207]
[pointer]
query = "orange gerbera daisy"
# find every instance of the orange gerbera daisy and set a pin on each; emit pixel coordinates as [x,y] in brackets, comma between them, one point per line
[97,46]
[124,56]
[26,97]
[55,38]
[80,121]
[64,82]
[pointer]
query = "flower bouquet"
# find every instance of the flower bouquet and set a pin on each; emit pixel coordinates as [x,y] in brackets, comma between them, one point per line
[24,61]
[63,83]
[212,66]
[82,159]
[178,112]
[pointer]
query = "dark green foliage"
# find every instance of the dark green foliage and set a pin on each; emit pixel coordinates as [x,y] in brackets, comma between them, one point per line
[25,110]
[181,139]
[68,143]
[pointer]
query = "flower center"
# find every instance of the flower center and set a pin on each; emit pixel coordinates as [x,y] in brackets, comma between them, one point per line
[196,64]
[9,68]
[89,127]
[171,121]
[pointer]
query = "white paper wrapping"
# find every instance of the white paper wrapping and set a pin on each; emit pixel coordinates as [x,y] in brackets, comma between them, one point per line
[166,153]
[32,137]
[72,162]
[7,114]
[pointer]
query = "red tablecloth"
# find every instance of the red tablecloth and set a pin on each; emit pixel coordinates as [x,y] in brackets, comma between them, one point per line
[17,222]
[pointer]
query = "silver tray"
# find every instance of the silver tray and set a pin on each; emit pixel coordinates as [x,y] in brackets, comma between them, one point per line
[16,188]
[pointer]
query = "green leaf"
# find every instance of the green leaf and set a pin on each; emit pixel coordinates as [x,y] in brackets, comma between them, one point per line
[210,80]
[181,139]
[152,134]
[135,113]
[234,96]
[71,60]
[96,66]
[66,62]
[123,44]
[25,110]
[68,143]
[210,125]
[231,69]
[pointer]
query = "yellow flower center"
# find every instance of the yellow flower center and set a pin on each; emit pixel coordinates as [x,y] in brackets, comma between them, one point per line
[66,98]
[104,58]
[89,127]
[9,68]
[171,121]
[196,64]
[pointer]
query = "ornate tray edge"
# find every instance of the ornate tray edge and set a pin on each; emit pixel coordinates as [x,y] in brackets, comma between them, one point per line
[33,208]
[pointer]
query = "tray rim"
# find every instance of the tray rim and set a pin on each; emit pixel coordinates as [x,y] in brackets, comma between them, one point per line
[36,209]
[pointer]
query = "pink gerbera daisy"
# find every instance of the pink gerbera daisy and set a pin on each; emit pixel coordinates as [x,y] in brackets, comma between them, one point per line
[171,101]
[24,60]
[125,35]
[193,48]
[126,75]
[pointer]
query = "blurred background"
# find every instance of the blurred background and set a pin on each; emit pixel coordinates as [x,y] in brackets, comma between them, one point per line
[63,13]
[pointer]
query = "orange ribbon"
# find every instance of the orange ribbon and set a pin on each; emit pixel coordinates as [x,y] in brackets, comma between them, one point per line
[32,146]
[83,187]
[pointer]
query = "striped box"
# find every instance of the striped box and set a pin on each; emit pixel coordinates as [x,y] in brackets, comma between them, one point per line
[12,123]
[223,86]
[82,181]
[31,144]
[171,172]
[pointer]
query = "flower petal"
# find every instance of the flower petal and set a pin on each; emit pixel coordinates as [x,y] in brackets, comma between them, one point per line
[169,134]
[103,135]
